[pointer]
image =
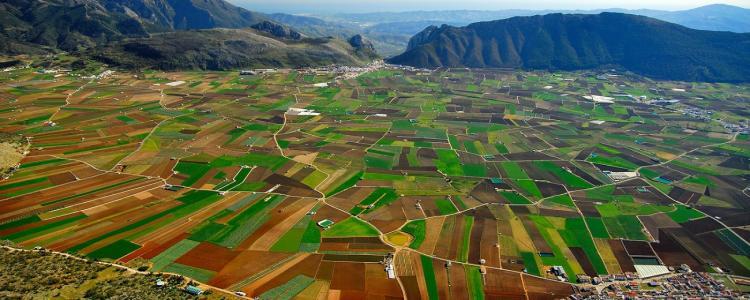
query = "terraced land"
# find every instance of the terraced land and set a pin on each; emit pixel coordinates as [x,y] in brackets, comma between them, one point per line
[472,184]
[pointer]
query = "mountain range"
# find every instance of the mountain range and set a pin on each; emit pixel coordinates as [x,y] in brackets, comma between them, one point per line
[716,17]
[214,34]
[580,41]
[390,31]
[155,32]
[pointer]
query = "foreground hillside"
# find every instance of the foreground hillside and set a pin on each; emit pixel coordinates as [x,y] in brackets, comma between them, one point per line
[73,24]
[567,42]
[46,275]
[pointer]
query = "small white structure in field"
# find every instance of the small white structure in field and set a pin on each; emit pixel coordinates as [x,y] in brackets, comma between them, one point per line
[620,176]
[176,83]
[301,112]
[600,99]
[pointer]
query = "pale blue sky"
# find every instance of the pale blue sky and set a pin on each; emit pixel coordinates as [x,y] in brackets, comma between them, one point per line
[318,6]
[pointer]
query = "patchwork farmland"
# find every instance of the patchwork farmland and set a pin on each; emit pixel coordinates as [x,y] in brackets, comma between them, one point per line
[464,184]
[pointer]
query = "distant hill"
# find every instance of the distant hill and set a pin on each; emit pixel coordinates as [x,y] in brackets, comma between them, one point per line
[716,17]
[223,49]
[563,41]
[386,43]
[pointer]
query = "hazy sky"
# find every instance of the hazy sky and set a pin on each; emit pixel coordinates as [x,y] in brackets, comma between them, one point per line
[318,6]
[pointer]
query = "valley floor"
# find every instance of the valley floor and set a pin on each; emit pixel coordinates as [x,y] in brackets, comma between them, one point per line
[382,182]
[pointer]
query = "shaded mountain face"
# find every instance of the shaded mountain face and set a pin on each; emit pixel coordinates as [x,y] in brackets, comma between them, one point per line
[363,46]
[643,45]
[76,24]
[223,49]
[277,30]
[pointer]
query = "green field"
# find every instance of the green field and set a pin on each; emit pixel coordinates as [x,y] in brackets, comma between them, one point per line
[114,250]
[417,230]
[351,227]
[429,275]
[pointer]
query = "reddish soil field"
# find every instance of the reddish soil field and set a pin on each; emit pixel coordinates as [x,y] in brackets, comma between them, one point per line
[654,223]
[388,218]
[96,226]
[409,204]
[347,199]
[499,284]
[378,285]
[672,253]
[208,256]
[623,259]
[485,193]
[701,225]
[587,208]
[325,271]
[411,286]
[62,178]
[25,203]
[475,240]
[151,249]
[684,196]
[582,259]
[489,250]
[358,244]
[536,237]
[638,248]
[162,169]
[284,218]
[327,212]
[538,288]
[456,237]
[458,288]
[246,264]
[445,240]
[354,258]
[37,224]
[528,156]
[558,213]
[308,267]
[348,276]
[441,278]
[550,189]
